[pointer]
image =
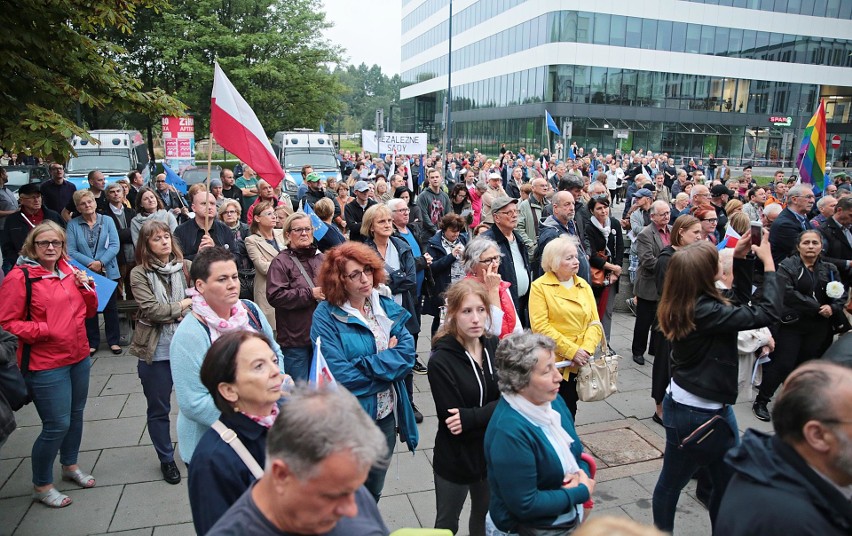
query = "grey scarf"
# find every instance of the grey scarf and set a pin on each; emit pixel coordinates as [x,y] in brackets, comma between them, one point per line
[173,271]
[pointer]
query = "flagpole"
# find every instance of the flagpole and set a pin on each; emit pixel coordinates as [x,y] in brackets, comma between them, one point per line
[209,171]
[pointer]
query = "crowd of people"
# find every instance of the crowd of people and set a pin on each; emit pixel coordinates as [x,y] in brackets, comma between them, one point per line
[245,296]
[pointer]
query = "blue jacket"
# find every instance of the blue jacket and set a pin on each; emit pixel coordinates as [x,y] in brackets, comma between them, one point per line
[524,473]
[356,365]
[106,247]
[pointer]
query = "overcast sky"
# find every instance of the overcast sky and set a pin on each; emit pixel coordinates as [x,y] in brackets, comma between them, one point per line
[369,30]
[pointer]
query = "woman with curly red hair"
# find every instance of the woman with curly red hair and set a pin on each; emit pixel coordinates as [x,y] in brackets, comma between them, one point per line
[379,350]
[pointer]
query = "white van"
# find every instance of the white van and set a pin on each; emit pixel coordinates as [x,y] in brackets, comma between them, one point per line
[119,152]
[302,147]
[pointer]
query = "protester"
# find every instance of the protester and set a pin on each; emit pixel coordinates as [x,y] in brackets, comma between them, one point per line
[216,310]
[463,379]
[565,220]
[481,260]
[57,191]
[792,221]
[324,210]
[364,339]
[265,194]
[149,206]
[515,265]
[159,282]
[18,225]
[563,307]
[292,289]
[797,481]
[229,214]
[13,388]
[241,373]
[354,211]
[702,325]
[204,230]
[411,233]
[262,245]
[607,254]
[319,452]
[461,204]
[415,217]
[447,250]
[434,203]
[810,307]
[93,242]
[54,356]
[536,476]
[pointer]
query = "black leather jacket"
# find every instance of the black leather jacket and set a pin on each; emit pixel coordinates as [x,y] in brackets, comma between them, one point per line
[705,361]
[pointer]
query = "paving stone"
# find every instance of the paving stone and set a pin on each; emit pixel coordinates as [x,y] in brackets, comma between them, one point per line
[122,384]
[27,416]
[183,529]
[97,384]
[691,519]
[20,482]
[408,473]
[746,418]
[398,513]
[7,467]
[11,512]
[592,412]
[151,504]
[621,471]
[114,365]
[421,384]
[424,508]
[632,379]
[145,439]
[113,433]
[104,407]
[425,403]
[20,443]
[130,465]
[91,513]
[633,403]
[135,406]
[619,492]
[137,532]
[615,511]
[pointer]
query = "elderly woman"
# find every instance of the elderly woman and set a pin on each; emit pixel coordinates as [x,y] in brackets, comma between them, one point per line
[607,255]
[807,319]
[291,288]
[93,242]
[262,245]
[680,206]
[229,213]
[447,250]
[159,282]
[537,478]
[463,379]
[324,209]
[216,310]
[481,261]
[149,206]
[415,217]
[562,306]
[364,340]
[265,194]
[242,375]
[343,194]
[52,352]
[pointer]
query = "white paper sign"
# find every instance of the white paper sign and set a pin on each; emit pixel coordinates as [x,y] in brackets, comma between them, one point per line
[401,142]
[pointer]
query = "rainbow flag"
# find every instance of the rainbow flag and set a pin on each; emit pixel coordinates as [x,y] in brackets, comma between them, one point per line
[811,159]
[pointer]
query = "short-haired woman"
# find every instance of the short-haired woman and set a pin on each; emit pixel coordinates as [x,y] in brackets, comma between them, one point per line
[463,379]
[149,205]
[52,352]
[607,254]
[447,250]
[563,307]
[216,310]
[536,475]
[242,375]
[159,282]
[262,245]
[364,339]
[230,212]
[324,209]
[702,325]
[481,261]
[706,214]
[93,242]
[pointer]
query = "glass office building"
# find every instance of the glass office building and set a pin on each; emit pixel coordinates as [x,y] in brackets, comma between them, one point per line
[735,78]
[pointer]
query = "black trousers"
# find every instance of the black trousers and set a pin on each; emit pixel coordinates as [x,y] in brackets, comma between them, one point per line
[646,313]
[794,344]
[661,374]
[568,392]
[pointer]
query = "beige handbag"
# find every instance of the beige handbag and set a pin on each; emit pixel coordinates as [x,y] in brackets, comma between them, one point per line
[598,378]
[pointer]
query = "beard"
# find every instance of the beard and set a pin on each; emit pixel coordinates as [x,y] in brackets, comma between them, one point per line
[843,461]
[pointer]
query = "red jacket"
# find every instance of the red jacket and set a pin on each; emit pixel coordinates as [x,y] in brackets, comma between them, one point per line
[59,308]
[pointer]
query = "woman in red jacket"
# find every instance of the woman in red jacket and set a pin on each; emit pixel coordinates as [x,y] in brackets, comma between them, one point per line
[54,355]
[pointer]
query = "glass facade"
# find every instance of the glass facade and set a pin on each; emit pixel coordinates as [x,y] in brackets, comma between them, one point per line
[835,9]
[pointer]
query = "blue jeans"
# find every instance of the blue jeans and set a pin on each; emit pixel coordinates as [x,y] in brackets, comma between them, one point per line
[297,362]
[156,381]
[678,466]
[376,478]
[111,327]
[59,396]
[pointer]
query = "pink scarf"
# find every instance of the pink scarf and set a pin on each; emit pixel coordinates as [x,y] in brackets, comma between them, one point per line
[238,321]
[265,421]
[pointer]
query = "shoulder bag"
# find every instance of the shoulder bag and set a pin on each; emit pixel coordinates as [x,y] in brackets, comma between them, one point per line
[598,379]
[230,437]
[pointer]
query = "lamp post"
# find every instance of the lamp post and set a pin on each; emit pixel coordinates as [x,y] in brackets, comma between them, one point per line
[448,99]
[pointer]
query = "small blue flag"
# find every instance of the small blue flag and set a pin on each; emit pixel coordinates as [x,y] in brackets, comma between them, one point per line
[551,124]
[320,228]
[173,179]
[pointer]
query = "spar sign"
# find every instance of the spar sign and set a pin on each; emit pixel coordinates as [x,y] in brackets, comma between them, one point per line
[179,141]
[399,142]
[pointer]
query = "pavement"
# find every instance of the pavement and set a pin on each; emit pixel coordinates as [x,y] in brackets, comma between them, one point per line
[131,498]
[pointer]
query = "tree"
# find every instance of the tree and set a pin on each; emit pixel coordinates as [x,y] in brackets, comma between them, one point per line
[56,62]
[271,51]
[370,89]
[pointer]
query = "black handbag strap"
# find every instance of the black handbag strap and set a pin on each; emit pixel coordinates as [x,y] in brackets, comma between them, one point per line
[26,348]
[301,268]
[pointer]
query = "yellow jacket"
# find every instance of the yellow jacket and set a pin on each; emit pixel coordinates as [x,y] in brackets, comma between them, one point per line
[565,316]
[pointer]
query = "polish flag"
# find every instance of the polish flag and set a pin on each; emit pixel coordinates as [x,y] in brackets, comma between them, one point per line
[730,240]
[236,128]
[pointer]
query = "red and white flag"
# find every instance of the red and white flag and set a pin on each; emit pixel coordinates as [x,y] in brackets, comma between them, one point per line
[236,128]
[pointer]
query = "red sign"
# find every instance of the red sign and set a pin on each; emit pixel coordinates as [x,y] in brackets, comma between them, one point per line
[835,142]
[178,137]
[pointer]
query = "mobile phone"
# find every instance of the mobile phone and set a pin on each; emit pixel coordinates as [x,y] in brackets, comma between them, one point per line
[756,233]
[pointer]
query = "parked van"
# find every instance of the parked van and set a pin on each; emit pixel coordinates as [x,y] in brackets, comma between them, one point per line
[119,152]
[303,147]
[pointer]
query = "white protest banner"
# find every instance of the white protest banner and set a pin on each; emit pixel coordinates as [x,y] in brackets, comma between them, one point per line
[401,142]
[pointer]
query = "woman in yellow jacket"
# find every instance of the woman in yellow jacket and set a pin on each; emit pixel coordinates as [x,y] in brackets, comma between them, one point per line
[562,306]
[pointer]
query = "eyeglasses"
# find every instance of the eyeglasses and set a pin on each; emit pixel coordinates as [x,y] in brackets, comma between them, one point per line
[44,244]
[230,212]
[268,214]
[403,210]
[490,260]
[356,275]
[714,220]
[301,230]
[159,182]
[509,213]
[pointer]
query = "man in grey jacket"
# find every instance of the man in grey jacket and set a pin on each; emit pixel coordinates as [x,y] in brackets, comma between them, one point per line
[434,203]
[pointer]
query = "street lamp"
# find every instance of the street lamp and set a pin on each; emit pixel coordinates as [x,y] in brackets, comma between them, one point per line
[448,102]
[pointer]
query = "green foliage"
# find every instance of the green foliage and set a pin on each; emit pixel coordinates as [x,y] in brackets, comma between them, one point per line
[271,50]
[369,90]
[56,61]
